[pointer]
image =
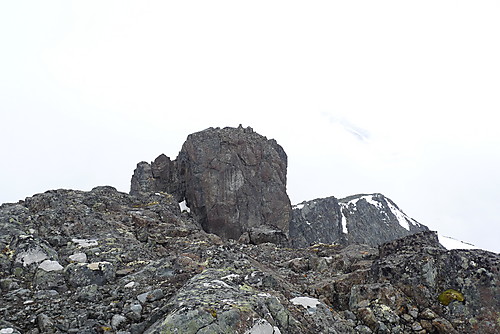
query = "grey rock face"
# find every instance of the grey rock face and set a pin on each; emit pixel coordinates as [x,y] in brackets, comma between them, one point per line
[359,219]
[317,221]
[160,175]
[375,219]
[232,179]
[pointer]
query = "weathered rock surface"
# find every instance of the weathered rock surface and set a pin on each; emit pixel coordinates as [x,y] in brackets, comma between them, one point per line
[232,179]
[317,221]
[108,262]
[360,219]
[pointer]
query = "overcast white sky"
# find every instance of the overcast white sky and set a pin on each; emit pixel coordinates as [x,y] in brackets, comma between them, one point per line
[395,97]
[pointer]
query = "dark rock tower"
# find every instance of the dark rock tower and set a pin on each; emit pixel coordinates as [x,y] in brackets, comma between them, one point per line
[232,179]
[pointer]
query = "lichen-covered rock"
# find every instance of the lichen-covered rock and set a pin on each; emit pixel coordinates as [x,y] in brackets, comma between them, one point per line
[215,302]
[420,267]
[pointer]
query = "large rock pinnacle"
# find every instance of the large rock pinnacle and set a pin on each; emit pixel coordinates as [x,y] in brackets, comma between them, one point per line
[233,180]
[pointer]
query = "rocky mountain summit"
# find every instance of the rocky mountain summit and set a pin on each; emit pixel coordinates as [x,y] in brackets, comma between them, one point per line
[232,179]
[360,219]
[209,243]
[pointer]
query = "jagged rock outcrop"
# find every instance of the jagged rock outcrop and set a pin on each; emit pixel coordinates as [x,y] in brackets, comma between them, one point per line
[422,269]
[159,176]
[232,179]
[105,261]
[360,219]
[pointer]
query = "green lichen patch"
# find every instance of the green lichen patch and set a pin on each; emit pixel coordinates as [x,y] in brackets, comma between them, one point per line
[446,297]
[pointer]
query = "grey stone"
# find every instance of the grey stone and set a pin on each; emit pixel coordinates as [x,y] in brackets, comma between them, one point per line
[45,324]
[78,257]
[53,280]
[117,321]
[143,297]
[263,234]
[89,293]
[134,312]
[150,296]
[428,314]
[49,265]
[362,329]
[82,274]
[416,326]
[413,311]
[349,315]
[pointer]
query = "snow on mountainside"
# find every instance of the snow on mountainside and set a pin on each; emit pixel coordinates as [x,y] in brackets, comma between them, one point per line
[450,243]
[381,203]
[370,219]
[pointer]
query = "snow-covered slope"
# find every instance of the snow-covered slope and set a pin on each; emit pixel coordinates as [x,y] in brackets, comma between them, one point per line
[450,243]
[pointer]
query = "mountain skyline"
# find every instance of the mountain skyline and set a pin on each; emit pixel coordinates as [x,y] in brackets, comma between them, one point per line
[384,97]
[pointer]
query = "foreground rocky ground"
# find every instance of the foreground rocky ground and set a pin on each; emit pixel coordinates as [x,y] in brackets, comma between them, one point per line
[104,261]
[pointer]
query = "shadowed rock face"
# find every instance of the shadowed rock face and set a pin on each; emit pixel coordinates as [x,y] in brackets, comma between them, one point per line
[235,179]
[232,179]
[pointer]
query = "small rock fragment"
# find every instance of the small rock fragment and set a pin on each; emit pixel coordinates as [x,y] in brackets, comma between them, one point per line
[49,265]
[117,320]
[78,257]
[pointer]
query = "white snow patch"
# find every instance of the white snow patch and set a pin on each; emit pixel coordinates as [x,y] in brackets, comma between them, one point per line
[6,330]
[183,206]
[344,219]
[370,200]
[298,206]
[450,243]
[308,223]
[262,326]
[306,302]
[402,218]
[49,265]
[85,242]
